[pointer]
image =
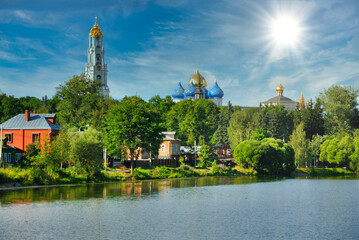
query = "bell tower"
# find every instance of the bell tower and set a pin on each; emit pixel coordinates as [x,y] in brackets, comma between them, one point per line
[96,67]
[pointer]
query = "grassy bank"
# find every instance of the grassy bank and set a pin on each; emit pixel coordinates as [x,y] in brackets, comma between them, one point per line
[29,177]
[323,172]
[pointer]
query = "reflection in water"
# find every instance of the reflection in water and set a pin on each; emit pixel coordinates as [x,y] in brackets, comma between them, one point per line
[109,190]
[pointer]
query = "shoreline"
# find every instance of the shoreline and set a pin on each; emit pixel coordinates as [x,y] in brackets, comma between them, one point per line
[298,173]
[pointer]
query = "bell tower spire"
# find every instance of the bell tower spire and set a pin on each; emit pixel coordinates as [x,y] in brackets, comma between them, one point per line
[96,68]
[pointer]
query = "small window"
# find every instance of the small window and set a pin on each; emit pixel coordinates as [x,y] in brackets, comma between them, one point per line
[163,148]
[35,137]
[9,137]
[18,157]
[9,157]
[4,157]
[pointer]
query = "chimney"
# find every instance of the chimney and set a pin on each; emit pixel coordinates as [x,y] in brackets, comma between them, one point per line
[27,115]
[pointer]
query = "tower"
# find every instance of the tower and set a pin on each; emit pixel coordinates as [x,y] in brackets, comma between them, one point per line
[96,67]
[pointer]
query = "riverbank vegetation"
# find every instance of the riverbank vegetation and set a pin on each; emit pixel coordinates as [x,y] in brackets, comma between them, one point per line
[266,141]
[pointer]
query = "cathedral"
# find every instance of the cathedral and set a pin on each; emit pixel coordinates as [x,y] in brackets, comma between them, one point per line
[288,103]
[96,68]
[196,89]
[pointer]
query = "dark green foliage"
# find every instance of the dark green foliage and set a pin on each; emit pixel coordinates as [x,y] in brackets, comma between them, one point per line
[242,124]
[340,110]
[192,120]
[221,134]
[312,118]
[161,106]
[276,120]
[269,156]
[206,156]
[79,102]
[132,125]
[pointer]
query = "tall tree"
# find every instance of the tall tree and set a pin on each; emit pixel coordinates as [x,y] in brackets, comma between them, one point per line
[300,145]
[340,109]
[276,120]
[241,126]
[193,120]
[161,105]
[79,98]
[133,125]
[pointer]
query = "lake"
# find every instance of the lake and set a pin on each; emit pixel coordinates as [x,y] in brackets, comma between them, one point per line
[196,208]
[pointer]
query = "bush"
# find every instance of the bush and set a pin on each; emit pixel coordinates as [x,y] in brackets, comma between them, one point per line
[140,174]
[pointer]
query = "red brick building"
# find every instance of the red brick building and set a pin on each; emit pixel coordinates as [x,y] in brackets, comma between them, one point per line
[25,129]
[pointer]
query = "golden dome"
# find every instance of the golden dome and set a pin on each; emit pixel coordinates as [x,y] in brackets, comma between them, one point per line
[95,31]
[280,90]
[198,80]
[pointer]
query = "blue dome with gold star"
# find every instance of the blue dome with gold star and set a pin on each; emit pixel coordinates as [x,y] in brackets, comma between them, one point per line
[178,92]
[190,91]
[215,91]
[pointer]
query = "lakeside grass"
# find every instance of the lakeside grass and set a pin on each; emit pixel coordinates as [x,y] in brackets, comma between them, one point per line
[323,172]
[10,177]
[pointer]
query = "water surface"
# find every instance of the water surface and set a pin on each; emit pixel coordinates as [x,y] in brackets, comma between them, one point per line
[196,208]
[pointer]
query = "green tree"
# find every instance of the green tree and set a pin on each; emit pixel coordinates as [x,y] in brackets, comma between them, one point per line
[276,120]
[337,149]
[86,150]
[300,145]
[241,126]
[268,156]
[315,144]
[340,109]
[193,119]
[161,105]
[133,125]
[221,134]
[79,99]
[312,118]
[206,156]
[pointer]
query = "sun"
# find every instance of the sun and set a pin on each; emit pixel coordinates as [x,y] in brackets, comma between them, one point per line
[285,31]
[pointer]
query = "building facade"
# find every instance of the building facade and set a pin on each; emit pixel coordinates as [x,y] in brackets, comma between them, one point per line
[96,68]
[25,129]
[196,89]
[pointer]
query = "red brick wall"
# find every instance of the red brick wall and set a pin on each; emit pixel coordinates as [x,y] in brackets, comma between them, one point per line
[21,138]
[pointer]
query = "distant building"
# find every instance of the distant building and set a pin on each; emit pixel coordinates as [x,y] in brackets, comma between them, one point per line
[25,129]
[288,103]
[196,89]
[96,67]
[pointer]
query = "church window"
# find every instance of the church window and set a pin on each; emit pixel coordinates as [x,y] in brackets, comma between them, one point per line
[98,78]
[98,41]
[98,59]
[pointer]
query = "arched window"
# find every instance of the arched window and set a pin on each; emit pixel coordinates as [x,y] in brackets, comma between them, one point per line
[98,59]
[98,78]
[98,42]
[163,148]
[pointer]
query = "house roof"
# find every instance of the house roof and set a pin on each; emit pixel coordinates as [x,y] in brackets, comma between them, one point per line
[170,136]
[279,99]
[5,146]
[36,121]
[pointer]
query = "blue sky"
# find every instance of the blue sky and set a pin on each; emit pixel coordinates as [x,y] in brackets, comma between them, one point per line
[151,45]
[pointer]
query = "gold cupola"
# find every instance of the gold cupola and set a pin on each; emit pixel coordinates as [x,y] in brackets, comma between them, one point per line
[198,80]
[301,99]
[280,89]
[95,31]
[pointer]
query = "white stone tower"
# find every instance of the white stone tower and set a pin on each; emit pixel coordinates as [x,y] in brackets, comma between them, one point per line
[96,67]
